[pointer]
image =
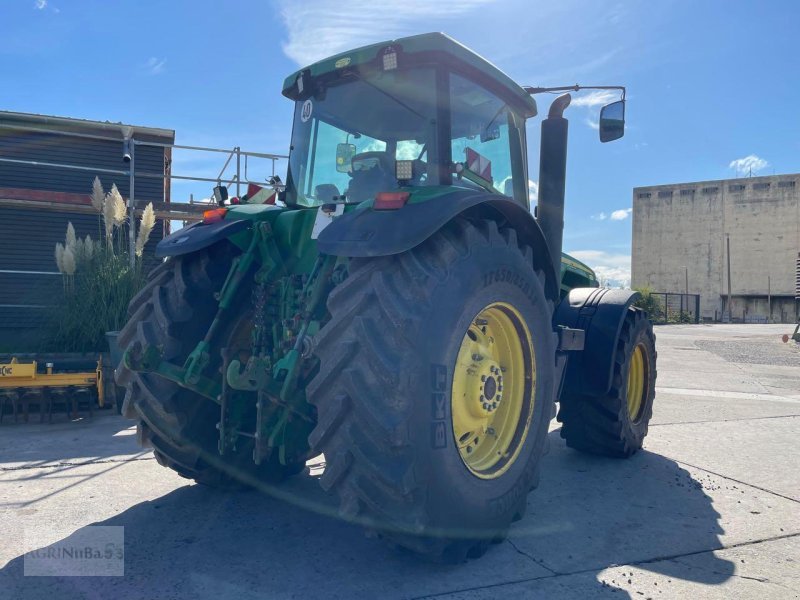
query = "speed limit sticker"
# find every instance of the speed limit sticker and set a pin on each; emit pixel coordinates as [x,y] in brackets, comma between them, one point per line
[305,112]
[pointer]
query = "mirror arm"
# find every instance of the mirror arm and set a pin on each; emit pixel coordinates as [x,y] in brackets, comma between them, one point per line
[573,88]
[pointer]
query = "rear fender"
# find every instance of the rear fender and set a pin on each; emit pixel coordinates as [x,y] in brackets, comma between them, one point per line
[600,312]
[370,233]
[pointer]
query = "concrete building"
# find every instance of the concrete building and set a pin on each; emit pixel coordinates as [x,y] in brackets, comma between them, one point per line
[684,229]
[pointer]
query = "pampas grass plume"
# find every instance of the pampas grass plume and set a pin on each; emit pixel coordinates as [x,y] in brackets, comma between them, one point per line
[120,211]
[98,195]
[146,224]
[88,247]
[68,261]
[60,257]
[71,239]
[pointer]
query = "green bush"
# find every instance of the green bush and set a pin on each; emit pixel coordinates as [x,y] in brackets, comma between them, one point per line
[648,302]
[95,300]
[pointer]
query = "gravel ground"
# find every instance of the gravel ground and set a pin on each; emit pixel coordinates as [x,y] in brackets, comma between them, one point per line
[755,352]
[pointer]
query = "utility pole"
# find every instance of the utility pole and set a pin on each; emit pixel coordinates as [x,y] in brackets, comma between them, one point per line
[685,288]
[686,269]
[769,300]
[132,213]
[728,242]
[128,156]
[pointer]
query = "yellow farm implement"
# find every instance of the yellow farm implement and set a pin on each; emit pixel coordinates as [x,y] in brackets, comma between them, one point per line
[26,384]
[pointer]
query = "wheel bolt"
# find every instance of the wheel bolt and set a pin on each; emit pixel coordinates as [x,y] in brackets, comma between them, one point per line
[477,357]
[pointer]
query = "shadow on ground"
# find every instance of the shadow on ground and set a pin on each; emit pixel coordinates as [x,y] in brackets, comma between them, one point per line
[588,514]
[35,444]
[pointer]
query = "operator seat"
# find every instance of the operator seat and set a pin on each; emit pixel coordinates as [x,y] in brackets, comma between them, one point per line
[372,172]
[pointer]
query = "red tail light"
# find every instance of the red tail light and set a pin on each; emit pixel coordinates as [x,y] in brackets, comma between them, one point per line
[390,200]
[214,215]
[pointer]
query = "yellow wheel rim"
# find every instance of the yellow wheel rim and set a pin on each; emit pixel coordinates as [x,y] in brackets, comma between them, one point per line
[637,377]
[494,384]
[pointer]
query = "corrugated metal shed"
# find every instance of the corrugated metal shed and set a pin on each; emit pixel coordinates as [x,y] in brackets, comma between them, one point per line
[37,202]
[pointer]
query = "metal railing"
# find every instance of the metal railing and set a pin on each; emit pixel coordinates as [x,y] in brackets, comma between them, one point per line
[674,307]
[129,144]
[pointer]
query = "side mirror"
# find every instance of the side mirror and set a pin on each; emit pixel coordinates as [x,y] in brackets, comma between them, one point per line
[344,157]
[612,121]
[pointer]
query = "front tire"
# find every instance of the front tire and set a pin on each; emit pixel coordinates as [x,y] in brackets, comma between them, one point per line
[398,409]
[616,424]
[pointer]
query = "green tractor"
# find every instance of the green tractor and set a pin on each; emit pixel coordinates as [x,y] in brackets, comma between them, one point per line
[398,309]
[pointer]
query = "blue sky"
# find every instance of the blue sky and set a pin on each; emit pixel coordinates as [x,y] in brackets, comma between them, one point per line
[709,83]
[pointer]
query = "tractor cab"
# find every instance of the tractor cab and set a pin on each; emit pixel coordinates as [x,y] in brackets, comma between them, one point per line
[421,112]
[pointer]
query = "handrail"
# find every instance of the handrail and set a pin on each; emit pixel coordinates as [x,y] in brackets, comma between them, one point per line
[129,142]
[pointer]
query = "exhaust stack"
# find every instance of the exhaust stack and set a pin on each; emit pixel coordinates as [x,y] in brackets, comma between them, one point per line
[552,178]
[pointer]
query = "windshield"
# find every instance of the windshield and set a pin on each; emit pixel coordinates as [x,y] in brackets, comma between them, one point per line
[346,140]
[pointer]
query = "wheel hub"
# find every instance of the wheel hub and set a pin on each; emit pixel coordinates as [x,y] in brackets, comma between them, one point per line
[637,382]
[492,386]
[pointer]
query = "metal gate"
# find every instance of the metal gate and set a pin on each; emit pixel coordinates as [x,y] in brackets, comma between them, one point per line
[671,307]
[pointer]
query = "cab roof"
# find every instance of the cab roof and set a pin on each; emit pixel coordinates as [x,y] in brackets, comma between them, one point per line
[456,53]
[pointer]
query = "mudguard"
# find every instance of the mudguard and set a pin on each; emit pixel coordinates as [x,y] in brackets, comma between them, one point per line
[369,233]
[198,236]
[600,312]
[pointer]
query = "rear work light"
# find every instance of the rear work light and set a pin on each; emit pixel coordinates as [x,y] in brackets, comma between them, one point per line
[215,215]
[390,200]
[404,170]
[389,58]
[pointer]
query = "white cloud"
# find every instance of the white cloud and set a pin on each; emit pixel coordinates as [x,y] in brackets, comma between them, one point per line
[155,65]
[533,190]
[617,215]
[613,270]
[621,214]
[317,29]
[595,98]
[592,101]
[40,4]
[749,164]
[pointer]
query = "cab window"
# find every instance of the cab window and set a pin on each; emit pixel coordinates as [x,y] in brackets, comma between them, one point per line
[480,145]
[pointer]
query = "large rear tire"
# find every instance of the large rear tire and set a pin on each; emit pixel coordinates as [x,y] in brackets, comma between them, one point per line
[173,312]
[616,424]
[404,395]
